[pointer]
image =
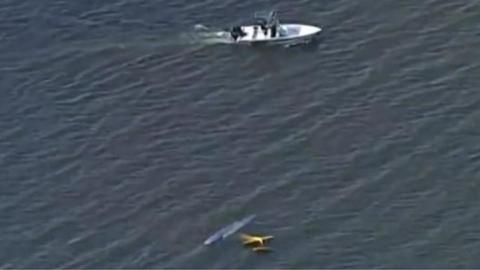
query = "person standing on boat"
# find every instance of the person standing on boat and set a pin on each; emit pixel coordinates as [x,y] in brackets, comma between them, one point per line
[274,31]
[264,29]
[273,23]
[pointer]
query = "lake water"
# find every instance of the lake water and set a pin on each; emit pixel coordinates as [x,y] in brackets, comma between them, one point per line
[125,143]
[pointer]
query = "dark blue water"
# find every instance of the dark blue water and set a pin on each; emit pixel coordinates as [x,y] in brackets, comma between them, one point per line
[125,144]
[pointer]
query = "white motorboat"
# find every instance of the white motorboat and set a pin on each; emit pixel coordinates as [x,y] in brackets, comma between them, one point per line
[268,29]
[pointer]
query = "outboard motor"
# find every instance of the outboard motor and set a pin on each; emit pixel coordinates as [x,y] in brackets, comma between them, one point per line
[237,32]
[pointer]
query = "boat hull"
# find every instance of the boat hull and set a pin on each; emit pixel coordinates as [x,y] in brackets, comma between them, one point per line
[228,230]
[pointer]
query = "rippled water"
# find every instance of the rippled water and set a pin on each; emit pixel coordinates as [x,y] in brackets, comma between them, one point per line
[124,143]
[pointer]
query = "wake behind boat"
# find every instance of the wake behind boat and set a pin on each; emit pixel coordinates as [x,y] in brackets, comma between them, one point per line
[268,29]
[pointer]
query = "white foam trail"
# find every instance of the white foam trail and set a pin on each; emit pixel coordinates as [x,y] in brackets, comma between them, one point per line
[200,27]
[207,35]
